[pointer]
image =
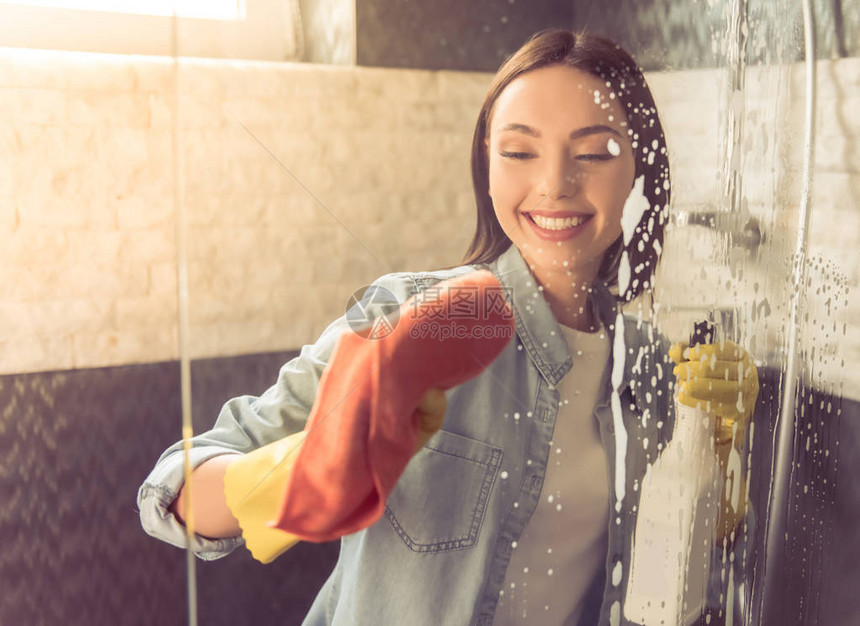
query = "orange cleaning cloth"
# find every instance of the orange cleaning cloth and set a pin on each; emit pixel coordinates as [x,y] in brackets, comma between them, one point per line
[362,429]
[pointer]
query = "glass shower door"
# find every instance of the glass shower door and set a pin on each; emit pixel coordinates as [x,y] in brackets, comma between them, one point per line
[743,251]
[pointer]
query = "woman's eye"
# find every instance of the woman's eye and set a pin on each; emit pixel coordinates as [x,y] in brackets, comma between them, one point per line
[594,157]
[516,155]
[581,157]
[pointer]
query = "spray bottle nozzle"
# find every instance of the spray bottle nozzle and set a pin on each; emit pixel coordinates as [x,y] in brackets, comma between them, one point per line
[703,332]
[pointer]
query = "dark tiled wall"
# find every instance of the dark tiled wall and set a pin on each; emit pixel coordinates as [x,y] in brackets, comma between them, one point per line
[73,445]
[450,34]
[76,445]
[678,34]
[815,576]
[661,34]
[74,448]
[841,580]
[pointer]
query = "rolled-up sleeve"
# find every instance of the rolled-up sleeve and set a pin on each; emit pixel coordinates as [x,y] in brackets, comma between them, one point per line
[246,423]
[161,488]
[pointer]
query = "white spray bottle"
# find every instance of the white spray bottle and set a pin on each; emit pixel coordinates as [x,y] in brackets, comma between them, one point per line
[675,524]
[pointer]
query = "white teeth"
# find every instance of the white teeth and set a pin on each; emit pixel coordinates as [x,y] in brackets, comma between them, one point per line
[556,223]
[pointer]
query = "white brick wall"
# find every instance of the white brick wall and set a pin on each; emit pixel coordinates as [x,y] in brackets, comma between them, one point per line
[333,156]
[87,218]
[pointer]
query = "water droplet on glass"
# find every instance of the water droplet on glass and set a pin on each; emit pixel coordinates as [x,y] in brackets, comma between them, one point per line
[613,147]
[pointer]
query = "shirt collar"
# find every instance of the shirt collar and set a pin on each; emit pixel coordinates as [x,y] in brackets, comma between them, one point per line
[536,322]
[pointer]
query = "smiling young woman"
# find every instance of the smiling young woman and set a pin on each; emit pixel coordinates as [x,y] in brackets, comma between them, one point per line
[520,502]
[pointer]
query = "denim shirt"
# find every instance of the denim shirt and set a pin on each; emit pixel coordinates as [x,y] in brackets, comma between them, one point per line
[439,553]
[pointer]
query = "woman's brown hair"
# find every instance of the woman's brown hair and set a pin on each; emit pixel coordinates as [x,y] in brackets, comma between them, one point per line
[606,60]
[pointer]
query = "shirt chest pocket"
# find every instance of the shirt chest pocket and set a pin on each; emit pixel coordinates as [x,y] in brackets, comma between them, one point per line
[441,497]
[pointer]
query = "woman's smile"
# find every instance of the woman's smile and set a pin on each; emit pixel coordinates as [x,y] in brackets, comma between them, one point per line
[557,226]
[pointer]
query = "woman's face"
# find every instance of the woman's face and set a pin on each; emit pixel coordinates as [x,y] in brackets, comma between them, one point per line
[559,148]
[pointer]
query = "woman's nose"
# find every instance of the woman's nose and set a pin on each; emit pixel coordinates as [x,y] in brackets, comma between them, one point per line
[559,178]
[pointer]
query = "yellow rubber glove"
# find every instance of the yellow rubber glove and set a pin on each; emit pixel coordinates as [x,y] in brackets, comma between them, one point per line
[255,482]
[719,378]
[254,486]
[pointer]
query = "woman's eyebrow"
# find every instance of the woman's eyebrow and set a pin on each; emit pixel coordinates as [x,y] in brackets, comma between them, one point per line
[580,132]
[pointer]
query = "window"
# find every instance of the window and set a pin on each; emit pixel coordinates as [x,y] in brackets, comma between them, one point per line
[240,29]
[208,9]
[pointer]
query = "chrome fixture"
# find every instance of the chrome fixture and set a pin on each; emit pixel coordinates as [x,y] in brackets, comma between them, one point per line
[744,229]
